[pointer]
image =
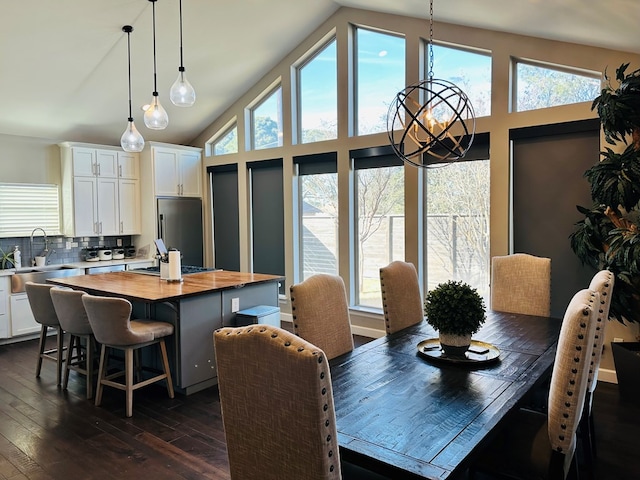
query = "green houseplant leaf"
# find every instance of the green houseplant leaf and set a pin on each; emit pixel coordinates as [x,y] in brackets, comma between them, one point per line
[455,308]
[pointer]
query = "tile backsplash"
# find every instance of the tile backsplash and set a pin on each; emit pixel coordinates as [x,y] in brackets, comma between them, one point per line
[59,254]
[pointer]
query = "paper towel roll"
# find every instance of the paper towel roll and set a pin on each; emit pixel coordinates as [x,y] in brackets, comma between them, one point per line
[174,265]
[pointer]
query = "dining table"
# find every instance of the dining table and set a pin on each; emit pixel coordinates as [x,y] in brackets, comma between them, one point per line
[408,411]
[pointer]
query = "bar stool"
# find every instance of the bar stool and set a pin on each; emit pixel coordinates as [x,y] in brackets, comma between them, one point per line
[110,319]
[73,319]
[45,314]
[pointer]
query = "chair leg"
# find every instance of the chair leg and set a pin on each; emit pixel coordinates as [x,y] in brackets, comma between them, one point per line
[165,363]
[102,373]
[89,359]
[41,346]
[128,366]
[72,342]
[59,354]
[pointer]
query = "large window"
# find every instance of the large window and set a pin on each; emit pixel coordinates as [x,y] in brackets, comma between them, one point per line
[469,70]
[380,67]
[538,86]
[266,122]
[317,214]
[379,236]
[456,220]
[318,96]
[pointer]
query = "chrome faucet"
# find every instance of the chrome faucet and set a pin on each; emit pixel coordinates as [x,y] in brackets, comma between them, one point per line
[46,245]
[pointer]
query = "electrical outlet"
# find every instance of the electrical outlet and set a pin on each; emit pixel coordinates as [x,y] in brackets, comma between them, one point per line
[74,244]
[67,246]
[235,305]
[119,242]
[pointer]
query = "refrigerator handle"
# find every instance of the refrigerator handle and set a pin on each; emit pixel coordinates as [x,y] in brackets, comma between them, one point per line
[161,226]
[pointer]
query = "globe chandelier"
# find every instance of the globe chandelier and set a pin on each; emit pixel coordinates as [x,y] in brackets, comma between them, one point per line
[431,123]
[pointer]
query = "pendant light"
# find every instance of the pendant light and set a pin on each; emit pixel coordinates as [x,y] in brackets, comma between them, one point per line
[131,140]
[182,93]
[431,123]
[155,117]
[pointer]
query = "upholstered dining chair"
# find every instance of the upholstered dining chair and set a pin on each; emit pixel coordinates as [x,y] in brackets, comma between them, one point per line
[73,319]
[602,282]
[401,297]
[45,314]
[110,319]
[521,283]
[321,313]
[538,446]
[277,405]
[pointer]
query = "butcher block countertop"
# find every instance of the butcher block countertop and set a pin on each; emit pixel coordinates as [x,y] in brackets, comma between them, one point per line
[150,288]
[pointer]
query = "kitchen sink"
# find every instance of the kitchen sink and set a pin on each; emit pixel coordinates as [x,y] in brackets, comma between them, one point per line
[40,275]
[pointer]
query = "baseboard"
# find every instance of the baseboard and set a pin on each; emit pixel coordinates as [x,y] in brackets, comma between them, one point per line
[355,329]
[607,375]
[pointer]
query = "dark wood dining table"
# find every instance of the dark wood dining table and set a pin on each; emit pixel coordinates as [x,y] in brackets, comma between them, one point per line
[407,415]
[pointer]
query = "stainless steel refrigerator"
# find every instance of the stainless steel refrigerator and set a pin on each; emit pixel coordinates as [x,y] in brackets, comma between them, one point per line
[180,227]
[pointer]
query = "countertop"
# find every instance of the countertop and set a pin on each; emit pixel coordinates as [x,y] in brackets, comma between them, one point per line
[102,263]
[150,288]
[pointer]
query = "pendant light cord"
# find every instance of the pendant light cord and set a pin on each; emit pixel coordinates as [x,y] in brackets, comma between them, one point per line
[129,30]
[430,74]
[155,84]
[181,59]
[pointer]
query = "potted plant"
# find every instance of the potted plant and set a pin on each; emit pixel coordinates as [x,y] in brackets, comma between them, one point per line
[456,310]
[609,236]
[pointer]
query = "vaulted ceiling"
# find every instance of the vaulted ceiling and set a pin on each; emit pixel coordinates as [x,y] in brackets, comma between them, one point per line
[63,63]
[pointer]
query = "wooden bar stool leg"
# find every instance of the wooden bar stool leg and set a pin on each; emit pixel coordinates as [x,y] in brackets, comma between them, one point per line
[59,354]
[89,359]
[165,363]
[128,365]
[101,374]
[41,346]
[72,341]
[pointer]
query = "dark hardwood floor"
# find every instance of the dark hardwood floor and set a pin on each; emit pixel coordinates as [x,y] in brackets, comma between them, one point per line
[48,433]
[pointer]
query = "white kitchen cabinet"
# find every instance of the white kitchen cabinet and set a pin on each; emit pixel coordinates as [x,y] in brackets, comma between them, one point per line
[22,320]
[177,171]
[100,191]
[5,288]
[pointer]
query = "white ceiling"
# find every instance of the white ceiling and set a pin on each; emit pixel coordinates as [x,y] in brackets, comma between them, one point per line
[64,70]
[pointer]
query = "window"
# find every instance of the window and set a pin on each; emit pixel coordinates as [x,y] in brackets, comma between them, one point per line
[317,214]
[456,220]
[380,67]
[26,206]
[318,96]
[470,71]
[266,122]
[226,216]
[539,86]
[379,236]
[227,143]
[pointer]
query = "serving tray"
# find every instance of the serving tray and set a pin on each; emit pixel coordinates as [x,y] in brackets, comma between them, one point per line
[479,353]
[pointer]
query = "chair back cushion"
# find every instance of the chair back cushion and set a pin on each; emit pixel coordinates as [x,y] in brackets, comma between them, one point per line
[602,283]
[401,297]
[70,311]
[570,372]
[521,283]
[321,314]
[41,304]
[110,319]
[277,405]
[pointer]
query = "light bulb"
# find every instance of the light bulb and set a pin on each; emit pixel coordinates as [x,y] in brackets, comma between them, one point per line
[182,93]
[131,140]
[155,117]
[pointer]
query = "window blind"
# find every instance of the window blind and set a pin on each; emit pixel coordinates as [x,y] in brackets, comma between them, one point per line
[25,206]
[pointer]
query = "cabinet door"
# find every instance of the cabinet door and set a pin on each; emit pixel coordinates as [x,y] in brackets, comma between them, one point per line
[190,167]
[128,165]
[107,161]
[22,321]
[5,285]
[85,206]
[129,200]
[108,210]
[166,172]
[84,161]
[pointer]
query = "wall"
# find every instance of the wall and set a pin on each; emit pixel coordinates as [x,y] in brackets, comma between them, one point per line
[503,47]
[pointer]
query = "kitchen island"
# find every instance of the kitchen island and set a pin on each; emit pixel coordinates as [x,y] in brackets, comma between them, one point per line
[197,306]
